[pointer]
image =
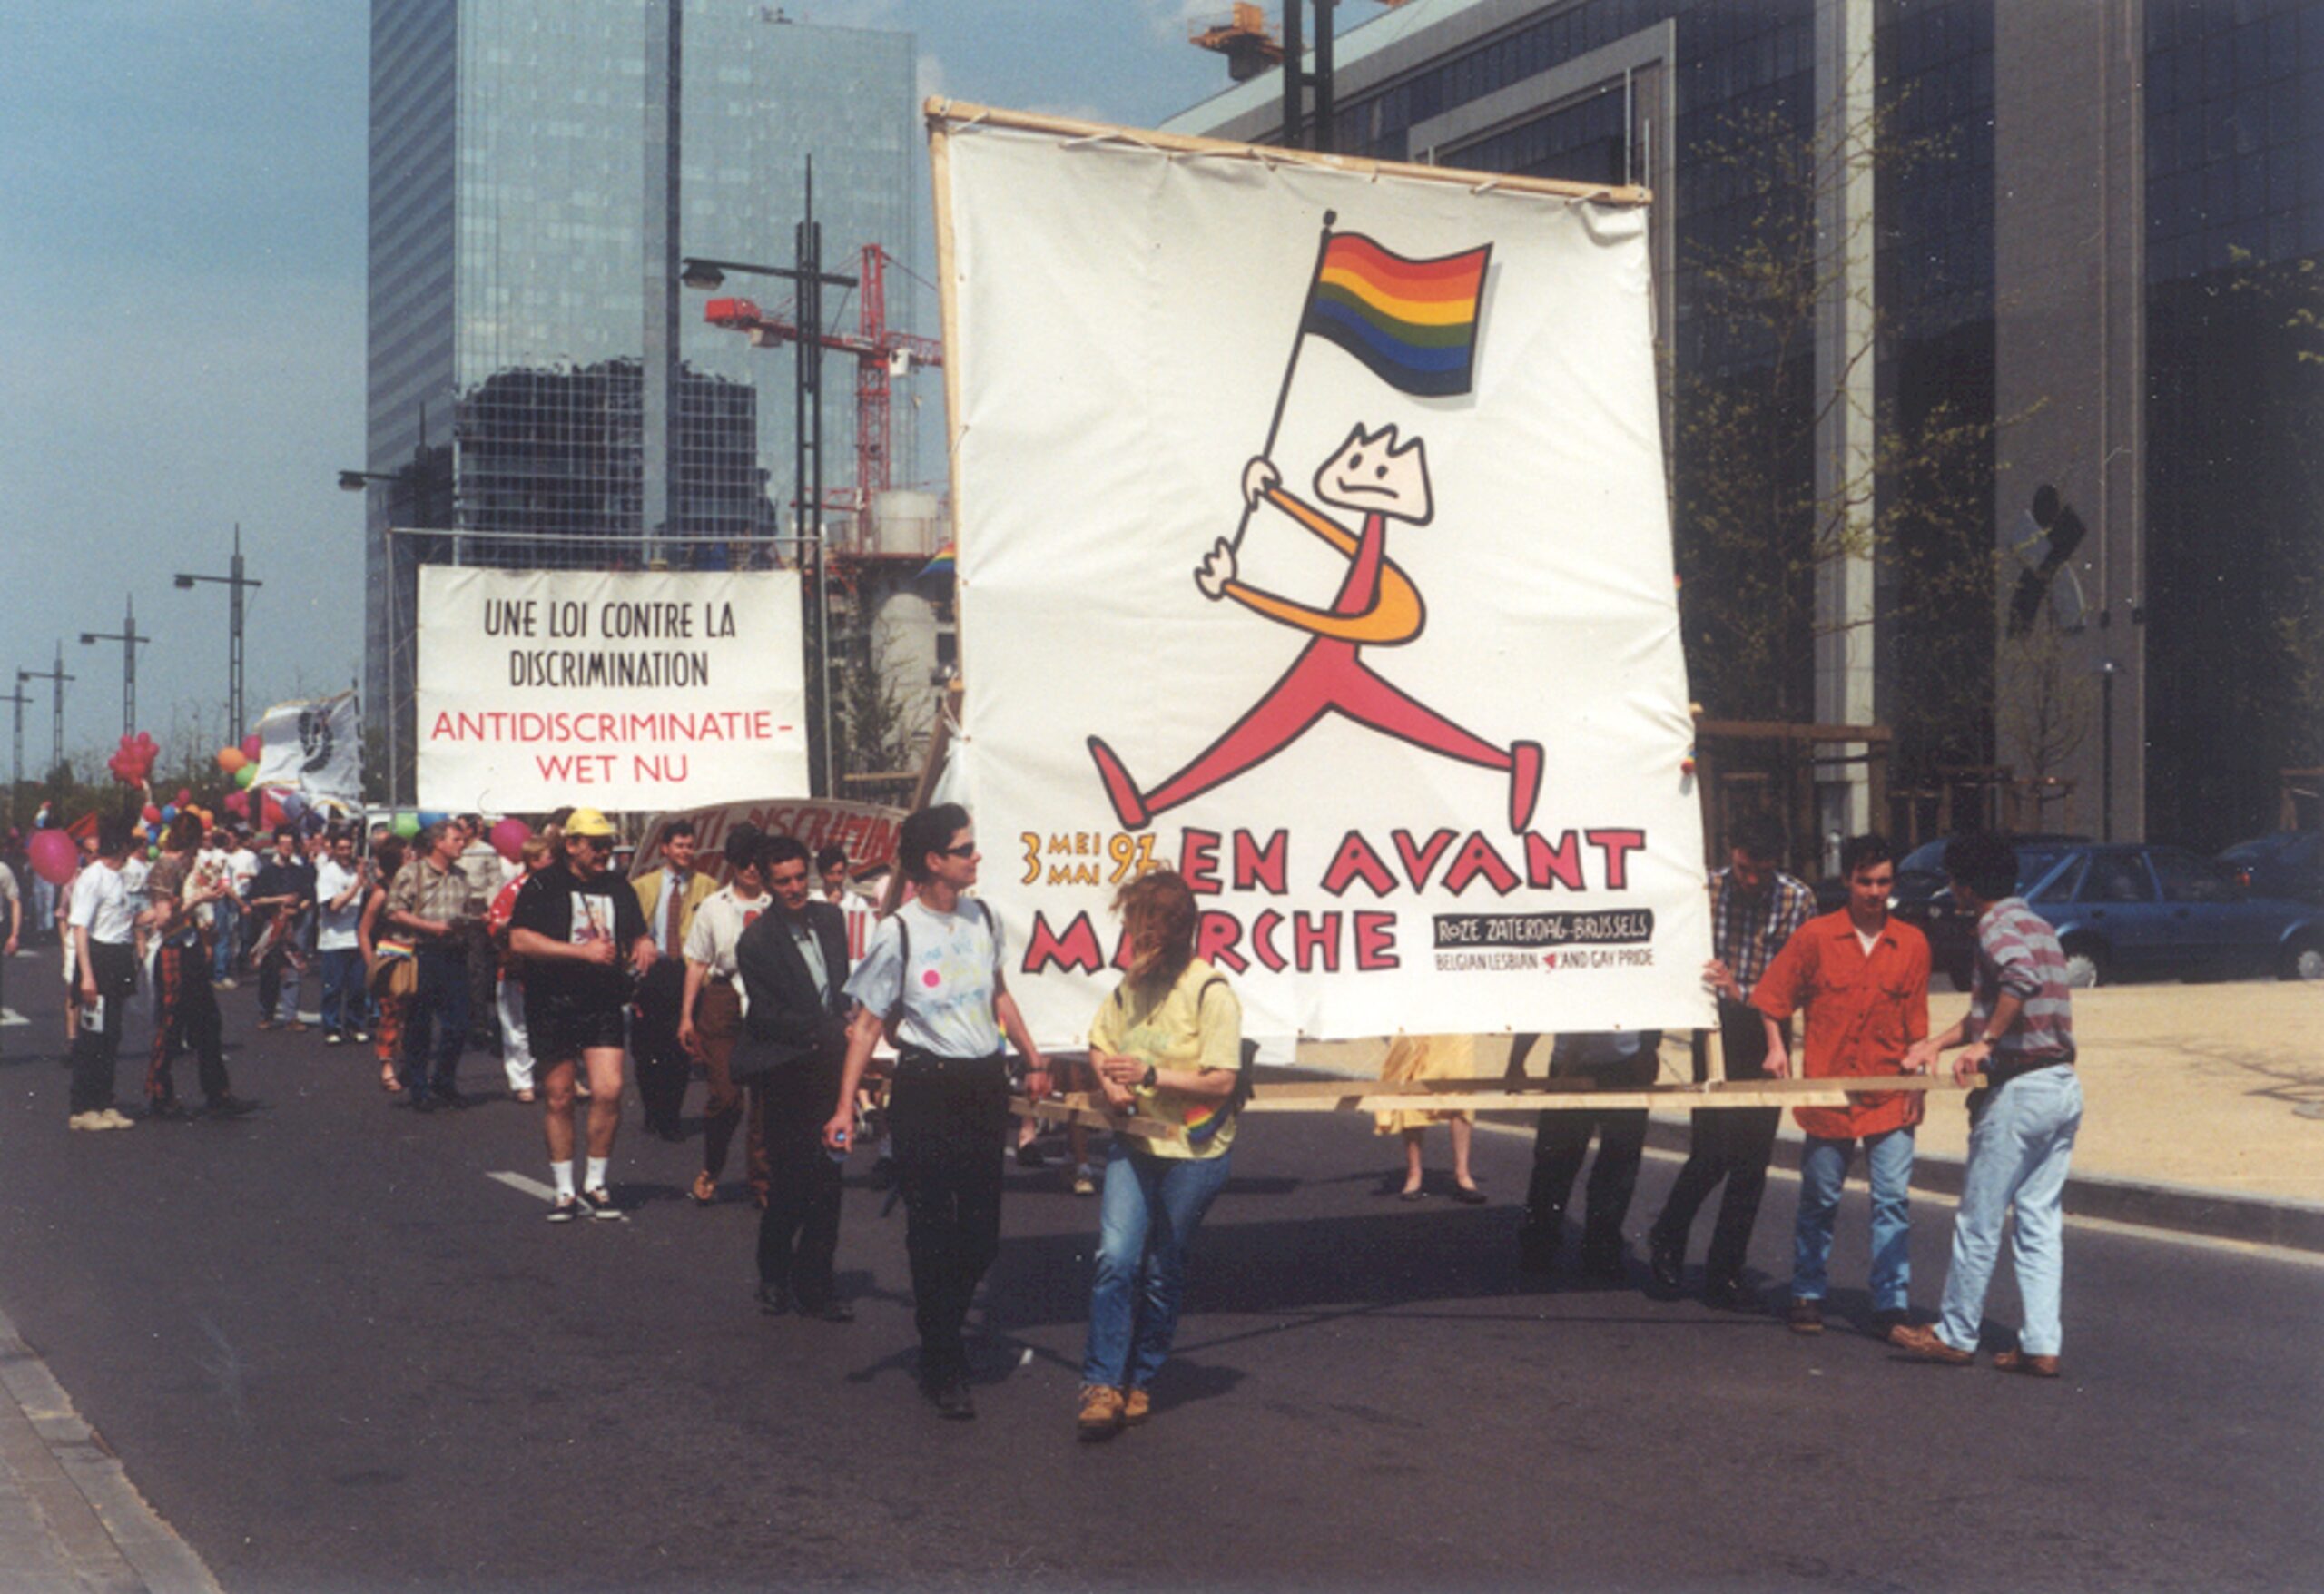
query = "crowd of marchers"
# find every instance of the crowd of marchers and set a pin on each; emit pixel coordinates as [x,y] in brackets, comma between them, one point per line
[582,978]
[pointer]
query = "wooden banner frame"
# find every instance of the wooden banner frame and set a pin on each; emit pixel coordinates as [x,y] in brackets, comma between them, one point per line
[1489,1094]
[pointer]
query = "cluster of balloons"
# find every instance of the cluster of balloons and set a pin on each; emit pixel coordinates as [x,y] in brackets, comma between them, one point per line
[131,762]
[240,762]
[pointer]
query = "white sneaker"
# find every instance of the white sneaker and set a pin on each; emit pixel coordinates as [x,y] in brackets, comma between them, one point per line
[114,1118]
[87,1121]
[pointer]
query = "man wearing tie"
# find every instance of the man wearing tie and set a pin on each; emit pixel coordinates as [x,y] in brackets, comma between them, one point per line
[668,898]
[792,963]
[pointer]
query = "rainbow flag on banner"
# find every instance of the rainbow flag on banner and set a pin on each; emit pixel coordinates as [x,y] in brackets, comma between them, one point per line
[1412,322]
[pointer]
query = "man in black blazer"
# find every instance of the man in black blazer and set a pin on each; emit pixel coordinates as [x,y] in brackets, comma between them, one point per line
[792,965]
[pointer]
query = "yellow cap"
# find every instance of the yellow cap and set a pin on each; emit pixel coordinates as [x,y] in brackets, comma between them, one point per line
[588,822]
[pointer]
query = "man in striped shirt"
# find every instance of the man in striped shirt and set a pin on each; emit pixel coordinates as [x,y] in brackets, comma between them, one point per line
[1754,908]
[2019,1030]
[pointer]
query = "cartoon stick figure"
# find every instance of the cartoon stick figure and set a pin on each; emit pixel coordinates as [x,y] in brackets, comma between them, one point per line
[1380,479]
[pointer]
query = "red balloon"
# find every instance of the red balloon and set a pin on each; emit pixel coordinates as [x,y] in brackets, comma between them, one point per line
[185,795]
[52,855]
[251,745]
[152,814]
[508,838]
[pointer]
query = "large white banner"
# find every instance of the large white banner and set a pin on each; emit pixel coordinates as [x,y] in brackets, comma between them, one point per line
[1312,541]
[613,689]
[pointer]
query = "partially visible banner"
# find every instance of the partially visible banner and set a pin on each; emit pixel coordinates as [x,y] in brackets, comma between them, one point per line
[315,748]
[865,831]
[610,689]
[1313,541]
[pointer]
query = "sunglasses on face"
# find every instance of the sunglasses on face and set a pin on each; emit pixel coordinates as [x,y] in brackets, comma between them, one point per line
[966,850]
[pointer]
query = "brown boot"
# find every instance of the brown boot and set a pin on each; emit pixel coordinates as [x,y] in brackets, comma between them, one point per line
[2015,1361]
[1101,1411]
[1925,1343]
[1136,1407]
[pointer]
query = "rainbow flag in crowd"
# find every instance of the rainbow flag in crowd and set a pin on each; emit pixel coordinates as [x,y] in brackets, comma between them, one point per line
[1412,322]
[941,568]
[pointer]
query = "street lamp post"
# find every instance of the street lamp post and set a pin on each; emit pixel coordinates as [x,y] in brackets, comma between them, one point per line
[19,697]
[129,639]
[808,276]
[57,705]
[234,582]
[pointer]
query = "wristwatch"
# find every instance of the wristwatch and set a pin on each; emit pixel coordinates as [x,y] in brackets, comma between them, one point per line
[1148,1080]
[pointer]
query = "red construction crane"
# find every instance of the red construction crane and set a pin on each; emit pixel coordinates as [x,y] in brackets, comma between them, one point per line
[880,356]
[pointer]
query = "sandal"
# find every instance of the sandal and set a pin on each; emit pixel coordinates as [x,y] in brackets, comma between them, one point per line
[388,1080]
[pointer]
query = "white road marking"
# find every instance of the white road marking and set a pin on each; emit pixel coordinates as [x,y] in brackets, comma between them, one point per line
[2104,1225]
[532,1187]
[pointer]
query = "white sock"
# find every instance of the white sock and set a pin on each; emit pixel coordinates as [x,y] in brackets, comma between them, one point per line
[561,1174]
[598,1172]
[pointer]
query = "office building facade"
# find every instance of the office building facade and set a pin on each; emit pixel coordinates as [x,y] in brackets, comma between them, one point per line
[543,392]
[2062,259]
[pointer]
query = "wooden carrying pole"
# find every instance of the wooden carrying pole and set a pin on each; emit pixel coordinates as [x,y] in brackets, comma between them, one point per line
[944,114]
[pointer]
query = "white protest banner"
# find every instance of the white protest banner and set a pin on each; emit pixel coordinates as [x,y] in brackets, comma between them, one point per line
[617,690]
[1312,541]
[314,747]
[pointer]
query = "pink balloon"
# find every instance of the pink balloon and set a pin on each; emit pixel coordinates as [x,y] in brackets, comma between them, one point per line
[251,745]
[53,856]
[508,838]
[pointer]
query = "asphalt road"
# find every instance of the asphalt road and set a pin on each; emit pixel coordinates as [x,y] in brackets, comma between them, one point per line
[337,1355]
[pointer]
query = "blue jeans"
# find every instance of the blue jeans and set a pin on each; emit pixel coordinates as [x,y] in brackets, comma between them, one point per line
[1823,1169]
[225,937]
[1151,1208]
[342,991]
[2019,1147]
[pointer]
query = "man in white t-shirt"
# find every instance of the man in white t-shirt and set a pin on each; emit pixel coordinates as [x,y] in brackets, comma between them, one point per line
[934,969]
[104,930]
[241,869]
[341,882]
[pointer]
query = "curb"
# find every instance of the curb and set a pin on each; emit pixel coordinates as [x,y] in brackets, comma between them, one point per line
[2188,1209]
[2218,1215]
[98,1524]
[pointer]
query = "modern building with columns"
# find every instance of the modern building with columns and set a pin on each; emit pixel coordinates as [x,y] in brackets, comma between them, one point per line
[2104,263]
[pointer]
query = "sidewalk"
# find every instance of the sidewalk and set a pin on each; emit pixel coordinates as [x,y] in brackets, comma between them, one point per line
[2192,1107]
[69,1519]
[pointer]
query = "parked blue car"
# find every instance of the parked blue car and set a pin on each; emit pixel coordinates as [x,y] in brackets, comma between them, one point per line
[2129,912]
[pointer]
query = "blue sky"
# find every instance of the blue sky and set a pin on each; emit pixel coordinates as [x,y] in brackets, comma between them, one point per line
[182,304]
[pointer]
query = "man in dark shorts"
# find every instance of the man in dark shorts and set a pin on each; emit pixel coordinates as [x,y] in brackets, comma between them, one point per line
[579,930]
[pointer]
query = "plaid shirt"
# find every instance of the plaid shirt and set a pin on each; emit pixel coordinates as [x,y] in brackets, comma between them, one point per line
[1745,935]
[2017,953]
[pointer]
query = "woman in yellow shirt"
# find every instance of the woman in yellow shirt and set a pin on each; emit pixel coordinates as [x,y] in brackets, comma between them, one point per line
[1166,1045]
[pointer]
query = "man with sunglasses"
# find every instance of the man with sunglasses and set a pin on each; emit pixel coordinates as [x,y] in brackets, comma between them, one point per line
[577,928]
[933,969]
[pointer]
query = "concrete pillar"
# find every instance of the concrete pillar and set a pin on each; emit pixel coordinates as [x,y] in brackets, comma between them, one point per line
[1844,385]
[2070,324]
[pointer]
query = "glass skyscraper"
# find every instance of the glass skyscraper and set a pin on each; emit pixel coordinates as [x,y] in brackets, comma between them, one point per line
[541,391]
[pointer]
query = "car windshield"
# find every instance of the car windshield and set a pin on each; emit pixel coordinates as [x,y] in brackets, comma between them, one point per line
[2033,862]
[1928,858]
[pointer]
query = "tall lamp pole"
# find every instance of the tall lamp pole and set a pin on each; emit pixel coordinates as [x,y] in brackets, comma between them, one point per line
[57,705]
[235,582]
[129,639]
[807,465]
[19,697]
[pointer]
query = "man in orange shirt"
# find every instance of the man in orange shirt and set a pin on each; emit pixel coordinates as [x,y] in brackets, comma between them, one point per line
[1862,979]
